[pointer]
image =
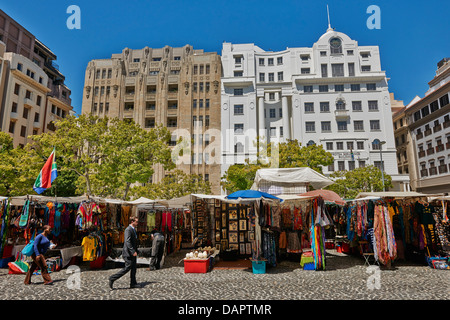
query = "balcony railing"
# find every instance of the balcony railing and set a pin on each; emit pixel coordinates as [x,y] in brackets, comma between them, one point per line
[424,173]
[443,168]
[440,147]
[433,171]
[447,145]
[342,113]
[446,124]
[437,128]
[427,132]
[422,154]
[430,151]
[419,136]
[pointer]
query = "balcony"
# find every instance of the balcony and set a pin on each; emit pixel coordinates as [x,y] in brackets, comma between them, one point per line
[419,136]
[447,145]
[129,96]
[342,114]
[430,151]
[443,168]
[446,124]
[424,173]
[422,154]
[440,147]
[427,132]
[130,81]
[172,95]
[433,171]
[437,128]
[14,116]
[36,124]
[28,102]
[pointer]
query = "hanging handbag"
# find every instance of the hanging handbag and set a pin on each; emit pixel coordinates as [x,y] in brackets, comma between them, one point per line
[29,248]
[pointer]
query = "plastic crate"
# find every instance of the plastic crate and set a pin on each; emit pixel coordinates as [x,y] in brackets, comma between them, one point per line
[196,265]
[259,267]
[309,266]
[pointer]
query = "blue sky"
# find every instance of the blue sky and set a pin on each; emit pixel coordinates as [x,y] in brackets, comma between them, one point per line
[412,38]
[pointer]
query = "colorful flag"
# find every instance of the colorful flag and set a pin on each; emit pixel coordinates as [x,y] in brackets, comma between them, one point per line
[47,175]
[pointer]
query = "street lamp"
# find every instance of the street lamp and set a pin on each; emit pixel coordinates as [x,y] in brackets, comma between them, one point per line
[380,146]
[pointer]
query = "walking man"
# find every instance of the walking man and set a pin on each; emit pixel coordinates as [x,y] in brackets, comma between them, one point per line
[129,254]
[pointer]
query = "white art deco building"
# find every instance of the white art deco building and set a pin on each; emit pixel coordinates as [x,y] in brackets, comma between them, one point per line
[333,93]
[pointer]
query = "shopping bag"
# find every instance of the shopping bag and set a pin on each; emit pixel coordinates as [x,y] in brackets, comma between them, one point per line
[18,266]
[28,249]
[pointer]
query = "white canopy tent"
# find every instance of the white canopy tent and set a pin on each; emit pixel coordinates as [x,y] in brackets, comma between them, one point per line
[391,194]
[289,180]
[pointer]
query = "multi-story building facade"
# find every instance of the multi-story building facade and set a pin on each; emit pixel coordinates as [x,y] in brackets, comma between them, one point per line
[333,93]
[34,94]
[174,87]
[428,123]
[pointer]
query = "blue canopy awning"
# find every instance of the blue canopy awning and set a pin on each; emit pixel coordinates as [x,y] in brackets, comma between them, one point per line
[251,194]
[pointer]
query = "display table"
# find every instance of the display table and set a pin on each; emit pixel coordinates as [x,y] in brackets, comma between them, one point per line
[197,265]
[307,259]
[143,257]
[66,253]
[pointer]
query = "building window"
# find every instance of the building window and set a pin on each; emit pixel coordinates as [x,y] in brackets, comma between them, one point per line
[444,100]
[434,106]
[341,165]
[25,113]
[335,46]
[200,103]
[307,89]
[280,112]
[280,76]
[351,69]
[261,61]
[365,68]
[238,109]
[360,145]
[324,70]
[14,107]
[309,107]
[371,86]
[323,53]
[324,107]
[271,77]
[305,71]
[238,73]
[337,69]
[273,131]
[339,145]
[304,57]
[373,105]
[323,88]
[358,125]
[238,128]
[350,145]
[262,77]
[356,105]
[195,71]
[239,92]
[340,104]
[339,87]
[172,122]
[207,121]
[271,96]
[12,125]
[342,125]
[326,126]
[280,60]
[374,125]
[310,143]
[425,111]
[207,103]
[355,87]
[202,68]
[329,145]
[350,52]
[238,59]
[272,113]
[129,106]
[23,131]
[177,58]
[238,147]
[270,61]
[351,165]
[16,89]
[281,131]
[310,126]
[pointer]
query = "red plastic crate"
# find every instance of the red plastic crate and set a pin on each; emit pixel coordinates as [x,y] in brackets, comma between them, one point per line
[196,265]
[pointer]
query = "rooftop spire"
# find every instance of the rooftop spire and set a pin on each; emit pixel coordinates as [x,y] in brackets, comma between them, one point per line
[329,23]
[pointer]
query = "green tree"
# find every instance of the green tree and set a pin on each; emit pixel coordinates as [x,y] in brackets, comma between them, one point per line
[290,154]
[174,185]
[19,167]
[107,155]
[367,179]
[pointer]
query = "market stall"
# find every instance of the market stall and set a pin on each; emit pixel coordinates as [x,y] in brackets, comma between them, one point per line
[397,225]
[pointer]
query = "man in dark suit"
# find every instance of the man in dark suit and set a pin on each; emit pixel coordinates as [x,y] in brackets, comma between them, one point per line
[129,254]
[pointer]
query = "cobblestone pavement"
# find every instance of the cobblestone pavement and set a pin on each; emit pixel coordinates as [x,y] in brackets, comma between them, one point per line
[346,278]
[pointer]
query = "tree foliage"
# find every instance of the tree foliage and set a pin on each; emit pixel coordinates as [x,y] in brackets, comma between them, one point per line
[290,154]
[174,185]
[366,179]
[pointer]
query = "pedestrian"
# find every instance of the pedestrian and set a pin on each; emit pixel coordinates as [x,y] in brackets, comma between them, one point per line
[129,254]
[158,243]
[40,246]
